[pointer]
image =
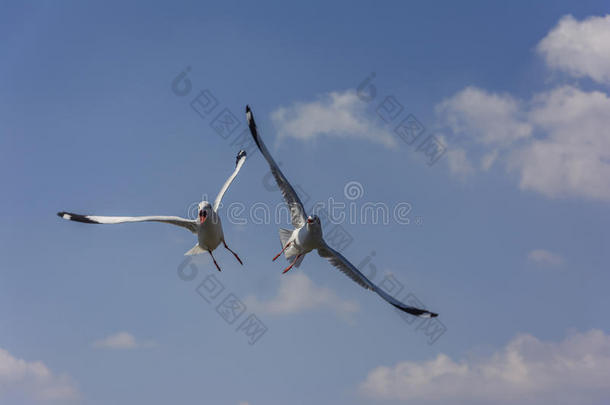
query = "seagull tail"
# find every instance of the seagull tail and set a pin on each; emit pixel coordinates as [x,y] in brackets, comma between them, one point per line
[195,250]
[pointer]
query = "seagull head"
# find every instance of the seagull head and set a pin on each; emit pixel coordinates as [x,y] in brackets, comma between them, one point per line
[205,208]
[313,219]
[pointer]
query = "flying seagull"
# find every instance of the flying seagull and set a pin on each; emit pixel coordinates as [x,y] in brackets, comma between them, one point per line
[208,226]
[307,233]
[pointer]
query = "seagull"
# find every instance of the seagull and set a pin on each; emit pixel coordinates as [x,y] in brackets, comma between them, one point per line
[208,226]
[307,233]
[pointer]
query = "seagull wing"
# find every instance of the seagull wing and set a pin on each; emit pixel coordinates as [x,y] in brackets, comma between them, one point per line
[340,262]
[191,225]
[297,211]
[241,158]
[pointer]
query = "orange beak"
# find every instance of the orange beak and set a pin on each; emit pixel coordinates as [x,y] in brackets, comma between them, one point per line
[202,216]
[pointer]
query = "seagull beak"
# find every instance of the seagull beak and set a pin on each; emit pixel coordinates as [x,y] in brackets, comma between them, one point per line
[202,216]
[310,220]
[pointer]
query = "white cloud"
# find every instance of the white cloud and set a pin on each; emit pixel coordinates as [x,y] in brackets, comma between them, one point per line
[570,156]
[33,380]
[580,48]
[574,157]
[297,293]
[121,340]
[545,257]
[485,117]
[558,143]
[526,371]
[340,114]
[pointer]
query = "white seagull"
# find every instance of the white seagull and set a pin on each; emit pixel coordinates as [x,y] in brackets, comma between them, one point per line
[208,227]
[307,234]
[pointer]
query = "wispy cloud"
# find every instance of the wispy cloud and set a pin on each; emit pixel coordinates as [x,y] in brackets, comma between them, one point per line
[542,256]
[338,114]
[33,380]
[526,371]
[458,163]
[297,293]
[121,340]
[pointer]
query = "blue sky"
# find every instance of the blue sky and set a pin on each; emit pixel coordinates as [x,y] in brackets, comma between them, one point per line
[507,235]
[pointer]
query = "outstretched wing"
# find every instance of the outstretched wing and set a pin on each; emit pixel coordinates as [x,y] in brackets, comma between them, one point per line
[191,225]
[239,162]
[297,211]
[337,260]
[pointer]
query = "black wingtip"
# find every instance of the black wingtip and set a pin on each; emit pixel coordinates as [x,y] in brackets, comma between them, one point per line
[240,155]
[252,126]
[417,312]
[250,117]
[76,217]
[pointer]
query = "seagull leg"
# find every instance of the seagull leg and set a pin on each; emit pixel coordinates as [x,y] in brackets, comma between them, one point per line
[292,264]
[234,254]
[279,254]
[217,266]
